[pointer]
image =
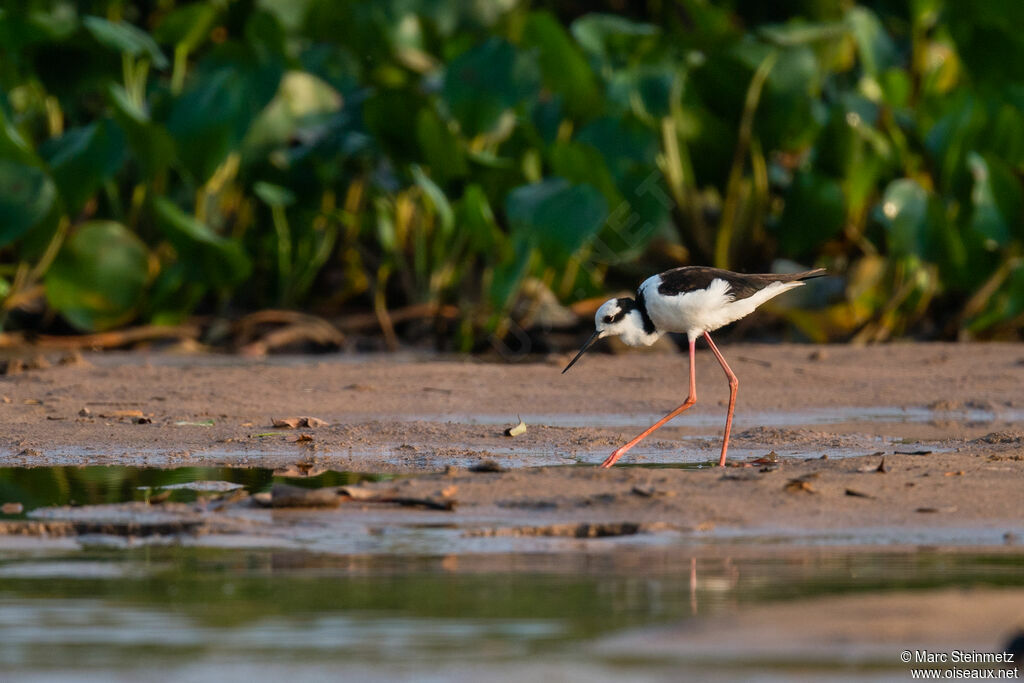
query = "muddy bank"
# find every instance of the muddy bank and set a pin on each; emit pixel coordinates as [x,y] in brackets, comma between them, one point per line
[409,414]
[812,429]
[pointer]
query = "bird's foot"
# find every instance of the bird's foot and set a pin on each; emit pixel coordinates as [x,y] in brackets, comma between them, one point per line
[611,459]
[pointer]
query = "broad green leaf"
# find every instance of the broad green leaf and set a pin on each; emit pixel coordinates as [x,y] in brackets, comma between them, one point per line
[440,147]
[611,38]
[150,142]
[579,162]
[125,38]
[995,198]
[564,69]
[988,39]
[83,159]
[904,213]
[484,82]
[556,216]
[785,117]
[99,278]
[874,46]
[210,119]
[210,258]
[814,213]
[26,197]
[623,143]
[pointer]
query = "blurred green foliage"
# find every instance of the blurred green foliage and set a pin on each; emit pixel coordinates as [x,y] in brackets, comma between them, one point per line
[160,158]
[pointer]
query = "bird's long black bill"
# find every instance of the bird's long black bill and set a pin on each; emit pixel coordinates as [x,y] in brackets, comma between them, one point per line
[593,338]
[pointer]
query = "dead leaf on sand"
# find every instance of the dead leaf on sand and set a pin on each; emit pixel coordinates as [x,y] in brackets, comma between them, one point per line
[517,430]
[880,467]
[769,458]
[858,494]
[799,486]
[123,413]
[297,422]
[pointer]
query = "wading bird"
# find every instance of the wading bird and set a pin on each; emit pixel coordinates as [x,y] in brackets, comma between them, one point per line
[694,300]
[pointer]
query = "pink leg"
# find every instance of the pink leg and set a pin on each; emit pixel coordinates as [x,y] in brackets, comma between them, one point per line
[733,386]
[690,400]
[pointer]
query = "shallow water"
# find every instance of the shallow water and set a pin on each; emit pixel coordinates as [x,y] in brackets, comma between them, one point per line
[421,601]
[179,613]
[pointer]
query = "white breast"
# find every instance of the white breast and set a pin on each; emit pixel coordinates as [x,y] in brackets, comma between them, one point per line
[703,310]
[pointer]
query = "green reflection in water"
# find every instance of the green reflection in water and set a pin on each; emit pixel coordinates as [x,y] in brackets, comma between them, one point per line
[108,608]
[48,486]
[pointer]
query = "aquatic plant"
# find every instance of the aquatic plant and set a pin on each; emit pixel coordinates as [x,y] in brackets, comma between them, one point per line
[163,159]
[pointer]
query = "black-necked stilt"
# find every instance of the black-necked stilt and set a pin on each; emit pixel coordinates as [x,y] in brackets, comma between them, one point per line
[694,300]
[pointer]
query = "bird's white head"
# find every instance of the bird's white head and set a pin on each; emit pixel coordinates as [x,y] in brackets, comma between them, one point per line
[619,317]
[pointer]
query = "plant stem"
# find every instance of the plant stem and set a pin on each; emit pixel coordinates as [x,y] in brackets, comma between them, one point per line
[733,189]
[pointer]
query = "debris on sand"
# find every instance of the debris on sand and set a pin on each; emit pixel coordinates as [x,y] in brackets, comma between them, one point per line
[799,485]
[518,430]
[881,468]
[297,422]
[571,530]
[285,496]
[487,466]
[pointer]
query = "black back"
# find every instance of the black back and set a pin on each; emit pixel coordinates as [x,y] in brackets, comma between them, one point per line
[741,285]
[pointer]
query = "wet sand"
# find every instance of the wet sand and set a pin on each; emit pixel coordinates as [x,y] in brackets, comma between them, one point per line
[812,426]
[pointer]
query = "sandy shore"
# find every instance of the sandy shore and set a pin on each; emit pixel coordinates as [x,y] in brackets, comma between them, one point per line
[946,419]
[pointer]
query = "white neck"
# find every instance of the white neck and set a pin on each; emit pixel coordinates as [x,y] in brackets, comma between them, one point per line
[631,331]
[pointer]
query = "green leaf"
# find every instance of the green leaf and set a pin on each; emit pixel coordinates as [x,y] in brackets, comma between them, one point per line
[273,195]
[995,199]
[988,39]
[437,198]
[874,46]
[610,38]
[564,69]
[475,218]
[623,143]
[83,159]
[210,258]
[814,213]
[125,38]
[186,26]
[904,213]
[26,197]
[556,216]
[484,82]
[440,147]
[211,118]
[149,141]
[99,277]
[13,145]
[579,162]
